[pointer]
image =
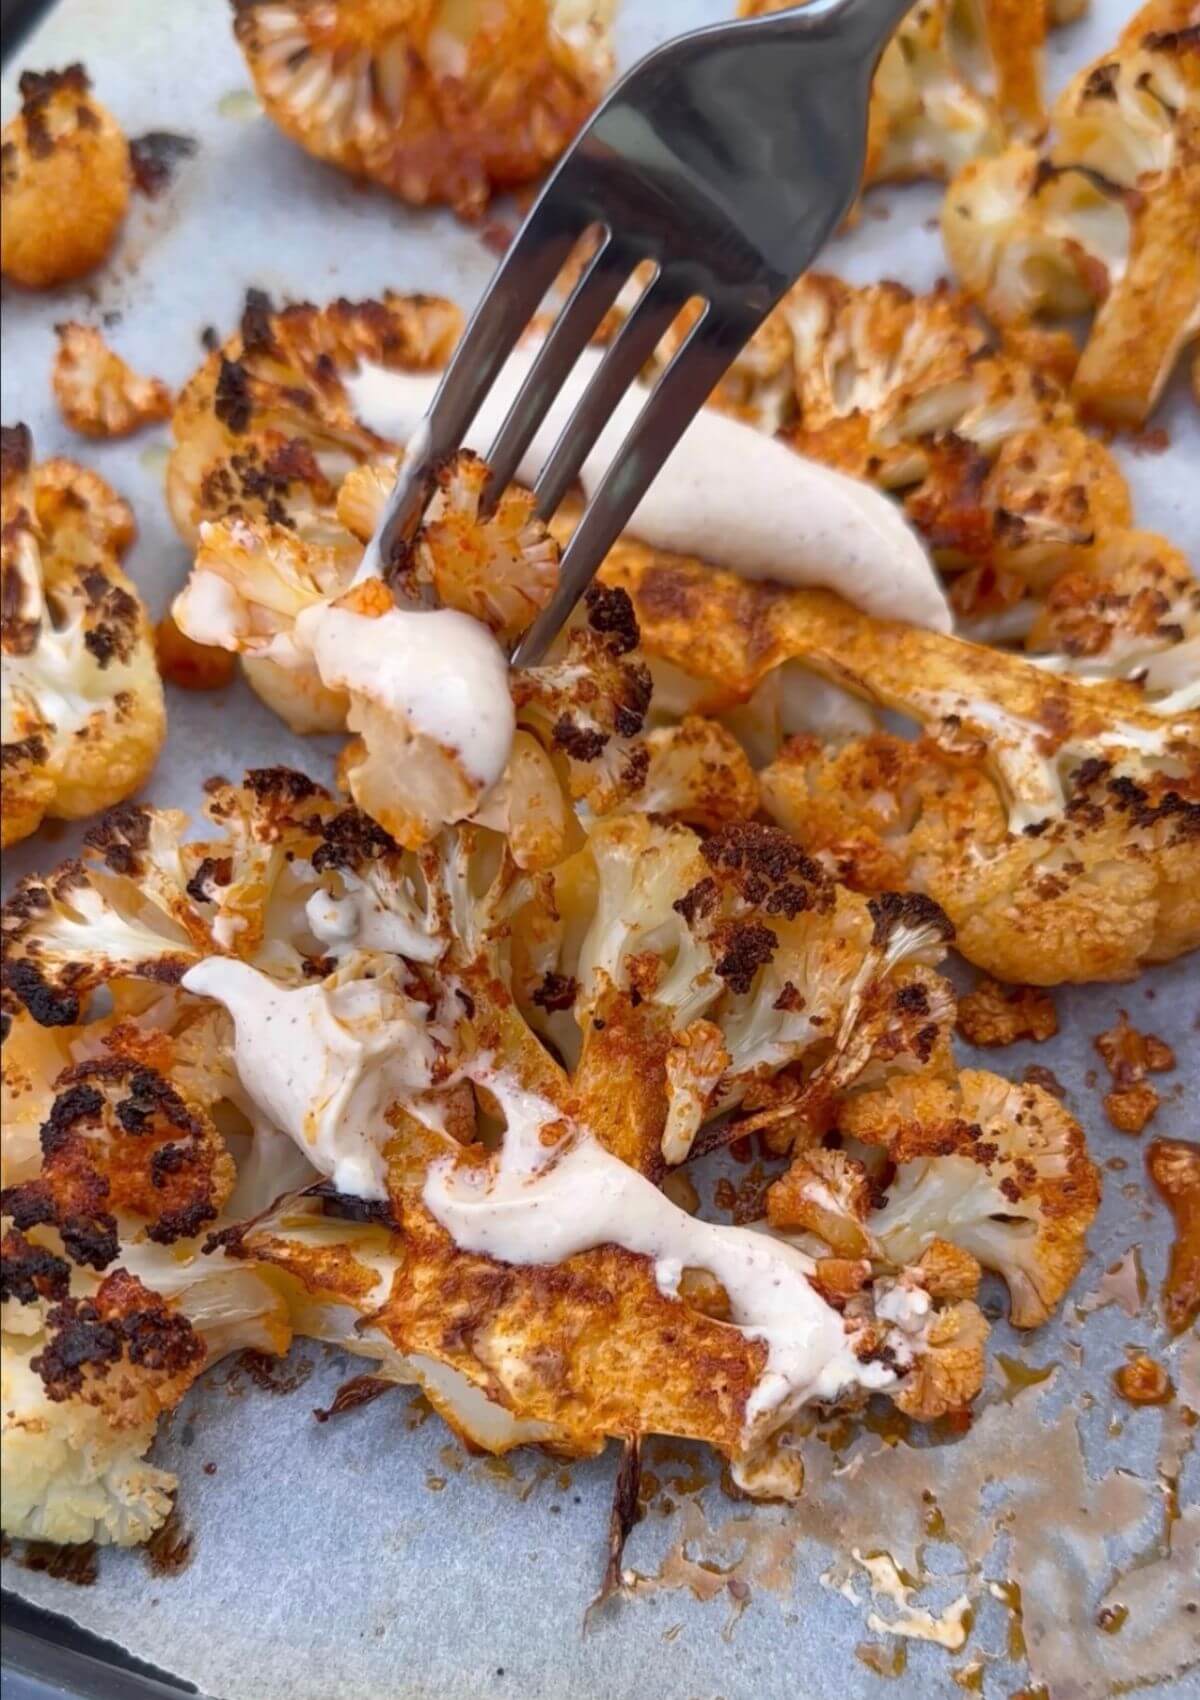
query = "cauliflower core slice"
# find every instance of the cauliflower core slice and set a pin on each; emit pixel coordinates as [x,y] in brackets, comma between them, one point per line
[83,715]
[97,393]
[1107,217]
[1029,805]
[435,102]
[64,181]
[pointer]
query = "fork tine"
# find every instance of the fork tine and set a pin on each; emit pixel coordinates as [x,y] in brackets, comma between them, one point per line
[594,293]
[527,271]
[678,395]
[636,341]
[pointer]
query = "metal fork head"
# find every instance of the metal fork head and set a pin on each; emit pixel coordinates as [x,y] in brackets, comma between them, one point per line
[725,158]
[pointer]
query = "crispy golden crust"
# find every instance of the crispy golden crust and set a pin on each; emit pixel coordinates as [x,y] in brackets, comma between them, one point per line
[64,181]
[97,393]
[602,1351]
[432,113]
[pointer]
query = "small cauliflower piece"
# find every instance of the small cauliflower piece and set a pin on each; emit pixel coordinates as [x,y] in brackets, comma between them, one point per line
[190,665]
[83,715]
[433,102]
[97,393]
[998,1170]
[500,568]
[1106,217]
[64,180]
[1129,1056]
[698,773]
[994,1015]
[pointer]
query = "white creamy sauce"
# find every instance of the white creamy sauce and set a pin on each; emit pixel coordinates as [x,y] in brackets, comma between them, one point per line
[440,671]
[727,493]
[541,1204]
[323,1063]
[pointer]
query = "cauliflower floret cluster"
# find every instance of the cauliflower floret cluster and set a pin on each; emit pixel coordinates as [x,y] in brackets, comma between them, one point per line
[435,103]
[110,1307]
[1057,823]
[979,440]
[64,180]
[698,972]
[83,716]
[956,81]
[97,393]
[1105,218]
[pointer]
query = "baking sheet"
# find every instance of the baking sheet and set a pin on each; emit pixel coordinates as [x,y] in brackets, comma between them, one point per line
[369,1555]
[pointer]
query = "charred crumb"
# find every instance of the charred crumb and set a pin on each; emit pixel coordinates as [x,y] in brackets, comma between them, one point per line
[557,991]
[258,335]
[29,1272]
[232,402]
[213,871]
[154,157]
[581,743]
[610,614]
[273,1375]
[350,839]
[16,451]
[210,339]
[348,1209]
[745,948]
[359,1390]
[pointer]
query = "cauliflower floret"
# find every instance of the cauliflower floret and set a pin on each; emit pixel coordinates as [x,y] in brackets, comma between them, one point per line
[996,1015]
[588,703]
[499,567]
[83,715]
[699,774]
[955,81]
[1030,803]
[97,393]
[737,945]
[1106,216]
[265,428]
[143,905]
[1133,612]
[110,1306]
[435,103]
[997,1169]
[249,583]
[64,180]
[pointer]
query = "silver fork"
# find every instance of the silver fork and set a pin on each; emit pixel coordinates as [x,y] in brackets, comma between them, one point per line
[725,158]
